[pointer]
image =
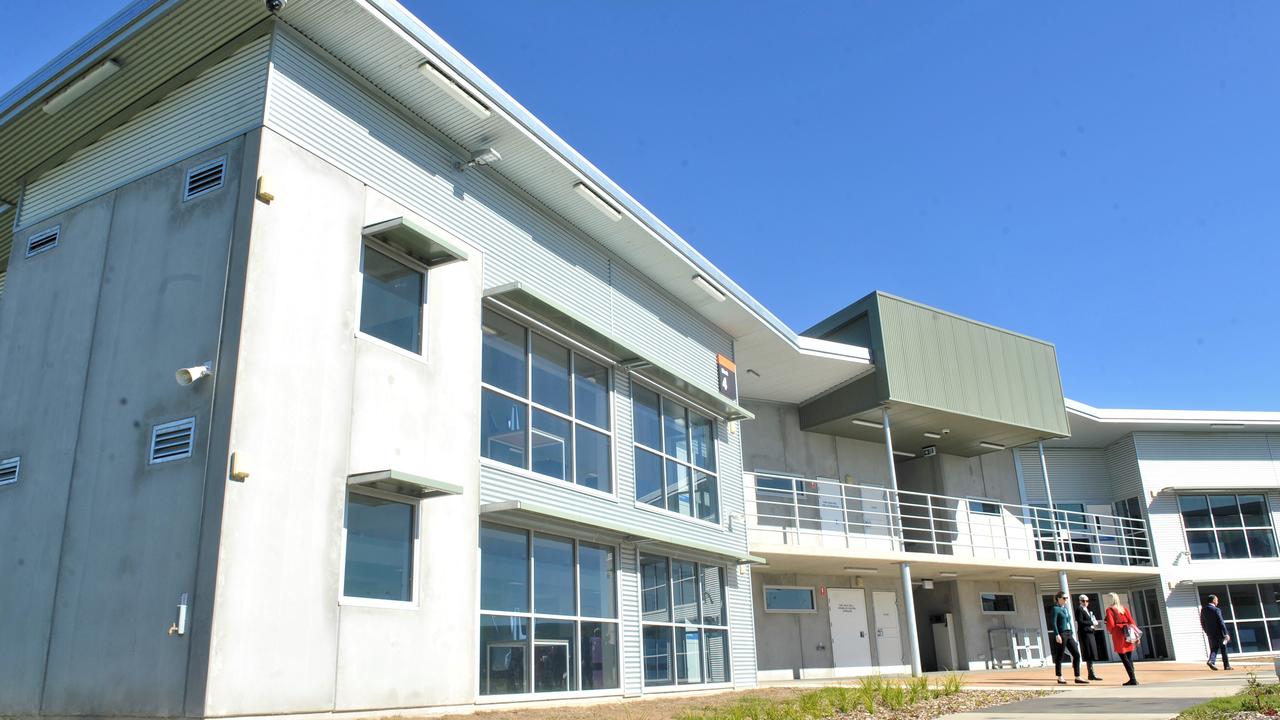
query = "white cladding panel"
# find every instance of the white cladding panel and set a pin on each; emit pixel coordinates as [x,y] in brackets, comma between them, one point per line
[1122,463]
[1199,460]
[346,122]
[1075,475]
[225,101]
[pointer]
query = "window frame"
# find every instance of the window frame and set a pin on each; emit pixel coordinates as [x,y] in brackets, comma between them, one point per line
[411,263]
[981,501]
[575,349]
[675,684]
[1229,615]
[690,407]
[532,616]
[1215,530]
[416,548]
[813,597]
[1013,602]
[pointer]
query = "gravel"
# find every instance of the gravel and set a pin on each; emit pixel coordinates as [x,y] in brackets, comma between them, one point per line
[967,701]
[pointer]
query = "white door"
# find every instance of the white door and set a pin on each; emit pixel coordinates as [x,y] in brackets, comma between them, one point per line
[850,644]
[888,641]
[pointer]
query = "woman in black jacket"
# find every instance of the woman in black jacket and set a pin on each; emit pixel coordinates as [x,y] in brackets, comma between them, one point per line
[1088,623]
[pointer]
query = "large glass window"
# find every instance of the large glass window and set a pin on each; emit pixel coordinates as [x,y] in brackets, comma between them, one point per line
[544,407]
[1227,527]
[549,616]
[686,633]
[1252,613]
[380,537]
[391,300]
[675,456]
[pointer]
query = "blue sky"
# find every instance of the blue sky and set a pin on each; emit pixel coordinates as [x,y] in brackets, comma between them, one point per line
[1102,175]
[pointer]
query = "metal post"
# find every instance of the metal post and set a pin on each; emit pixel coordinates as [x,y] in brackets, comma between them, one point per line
[913,640]
[893,480]
[1053,514]
[1062,585]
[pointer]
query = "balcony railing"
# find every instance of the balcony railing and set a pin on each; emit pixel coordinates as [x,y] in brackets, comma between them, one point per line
[789,510]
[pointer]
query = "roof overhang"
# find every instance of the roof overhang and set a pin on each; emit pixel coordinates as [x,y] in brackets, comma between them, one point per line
[523,509]
[1098,427]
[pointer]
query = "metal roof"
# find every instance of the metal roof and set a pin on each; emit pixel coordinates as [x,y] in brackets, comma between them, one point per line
[384,43]
[1099,427]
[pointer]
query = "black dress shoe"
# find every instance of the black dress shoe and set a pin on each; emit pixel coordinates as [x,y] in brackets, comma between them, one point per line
[1227,667]
[1081,682]
[1132,682]
[1095,678]
[1213,667]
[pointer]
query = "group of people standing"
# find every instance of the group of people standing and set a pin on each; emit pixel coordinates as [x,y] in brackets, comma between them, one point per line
[1125,636]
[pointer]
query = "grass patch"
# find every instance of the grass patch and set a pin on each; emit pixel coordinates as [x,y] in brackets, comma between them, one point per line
[868,694]
[1256,697]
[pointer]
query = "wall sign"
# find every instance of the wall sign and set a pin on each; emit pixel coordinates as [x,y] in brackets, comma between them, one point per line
[728,377]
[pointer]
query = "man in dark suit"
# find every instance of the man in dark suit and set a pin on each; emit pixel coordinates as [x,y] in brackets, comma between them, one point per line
[1215,629]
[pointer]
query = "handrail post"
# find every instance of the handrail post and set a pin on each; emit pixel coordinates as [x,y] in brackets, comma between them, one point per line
[894,519]
[795,506]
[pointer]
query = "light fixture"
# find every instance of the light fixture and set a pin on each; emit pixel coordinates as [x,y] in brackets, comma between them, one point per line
[1021,577]
[706,287]
[597,201]
[1227,426]
[1084,579]
[862,570]
[948,574]
[933,435]
[86,82]
[867,423]
[991,445]
[186,376]
[903,453]
[454,90]
[483,156]
[5,207]
[926,584]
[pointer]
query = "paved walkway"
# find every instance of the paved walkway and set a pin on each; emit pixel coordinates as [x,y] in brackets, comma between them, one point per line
[1166,689]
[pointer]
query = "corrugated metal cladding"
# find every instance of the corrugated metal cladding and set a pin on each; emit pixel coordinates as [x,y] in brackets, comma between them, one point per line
[632,672]
[1183,624]
[1075,475]
[6,247]
[1165,522]
[1200,459]
[1122,463]
[942,361]
[325,111]
[225,101]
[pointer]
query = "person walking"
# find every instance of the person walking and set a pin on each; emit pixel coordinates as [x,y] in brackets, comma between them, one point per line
[1088,624]
[1125,634]
[1215,629]
[1064,641]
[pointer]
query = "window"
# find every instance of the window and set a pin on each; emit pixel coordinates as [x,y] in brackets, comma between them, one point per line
[549,613]
[1227,527]
[544,407]
[984,507]
[997,603]
[391,298]
[1252,613]
[380,538]
[778,599]
[686,632]
[675,452]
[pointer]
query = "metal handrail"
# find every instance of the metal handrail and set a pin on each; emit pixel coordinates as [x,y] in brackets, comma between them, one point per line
[795,510]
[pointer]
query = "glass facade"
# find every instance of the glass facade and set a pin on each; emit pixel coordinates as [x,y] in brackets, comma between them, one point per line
[544,407]
[675,456]
[685,629]
[1227,527]
[549,613]
[1252,612]
[380,535]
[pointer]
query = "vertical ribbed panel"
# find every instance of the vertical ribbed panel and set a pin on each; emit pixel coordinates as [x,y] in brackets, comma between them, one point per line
[1075,475]
[317,107]
[632,646]
[1167,539]
[1182,607]
[225,101]
[1122,464]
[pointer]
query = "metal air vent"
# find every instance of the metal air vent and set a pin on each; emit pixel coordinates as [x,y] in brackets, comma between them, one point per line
[43,240]
[172,440]
[204,179]
[9,470]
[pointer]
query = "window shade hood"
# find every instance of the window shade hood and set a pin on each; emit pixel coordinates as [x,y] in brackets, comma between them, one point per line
[411,237]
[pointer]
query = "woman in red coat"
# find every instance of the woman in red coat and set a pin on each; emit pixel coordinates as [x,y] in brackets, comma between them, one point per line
[1119,618]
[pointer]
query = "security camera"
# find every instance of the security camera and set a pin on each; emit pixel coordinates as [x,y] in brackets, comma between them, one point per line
[186,376]
[275,6]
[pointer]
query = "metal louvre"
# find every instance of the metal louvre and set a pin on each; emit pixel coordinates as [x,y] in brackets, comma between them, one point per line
[225,101]
[205,178]
[43,241]
[172,441]
[9,470]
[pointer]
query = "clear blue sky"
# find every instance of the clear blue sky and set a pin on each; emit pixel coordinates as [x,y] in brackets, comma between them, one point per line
[1103,175]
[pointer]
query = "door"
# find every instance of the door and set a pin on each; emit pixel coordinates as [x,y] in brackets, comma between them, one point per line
[850,644]
[888,640]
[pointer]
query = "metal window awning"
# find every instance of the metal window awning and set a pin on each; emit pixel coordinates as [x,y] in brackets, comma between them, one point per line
[403,483]
[526,297]
[632,534]
[416,239]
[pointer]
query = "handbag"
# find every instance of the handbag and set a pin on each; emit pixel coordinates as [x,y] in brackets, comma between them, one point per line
[1133,634]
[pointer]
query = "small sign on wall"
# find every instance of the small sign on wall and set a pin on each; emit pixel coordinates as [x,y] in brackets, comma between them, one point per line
[728,377]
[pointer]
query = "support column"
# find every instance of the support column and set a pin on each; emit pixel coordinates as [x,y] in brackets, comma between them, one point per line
[894,508]
[1053,513]
[913,639]
[1062,585]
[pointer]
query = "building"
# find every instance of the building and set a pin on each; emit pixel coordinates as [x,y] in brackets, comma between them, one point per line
[336,382]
